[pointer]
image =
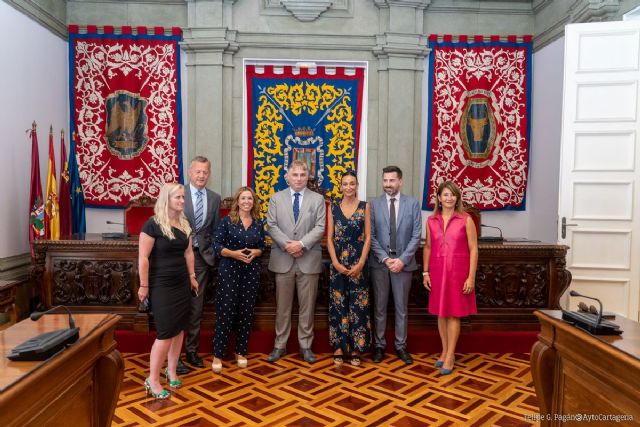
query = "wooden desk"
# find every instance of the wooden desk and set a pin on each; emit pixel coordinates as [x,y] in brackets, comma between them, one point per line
[77,387]
[575,372]
[89,274]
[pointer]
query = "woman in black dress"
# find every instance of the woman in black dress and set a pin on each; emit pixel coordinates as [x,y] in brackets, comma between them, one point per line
[238,242]
[166,269]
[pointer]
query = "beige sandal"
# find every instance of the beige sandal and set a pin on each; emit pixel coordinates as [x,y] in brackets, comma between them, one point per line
[355,360]
[216,367]
[242,361]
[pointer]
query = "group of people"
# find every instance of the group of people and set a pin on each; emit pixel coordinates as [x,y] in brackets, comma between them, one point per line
[379,239]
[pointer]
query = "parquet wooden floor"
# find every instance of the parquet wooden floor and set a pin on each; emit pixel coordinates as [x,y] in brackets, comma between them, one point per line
[484,390]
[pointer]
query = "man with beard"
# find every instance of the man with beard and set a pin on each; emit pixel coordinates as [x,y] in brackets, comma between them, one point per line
[395,236]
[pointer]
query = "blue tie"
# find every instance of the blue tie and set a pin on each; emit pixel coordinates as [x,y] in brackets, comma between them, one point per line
[199,210]
[296,206]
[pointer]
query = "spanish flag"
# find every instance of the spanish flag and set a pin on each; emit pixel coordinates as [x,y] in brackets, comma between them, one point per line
[51,206]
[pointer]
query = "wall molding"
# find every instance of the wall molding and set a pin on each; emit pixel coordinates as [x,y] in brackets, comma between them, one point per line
[15,267]
[41,15]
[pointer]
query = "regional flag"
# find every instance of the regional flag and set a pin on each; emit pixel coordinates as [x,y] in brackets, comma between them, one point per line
[51,207]
[64,195]
[36,204]
[79,224]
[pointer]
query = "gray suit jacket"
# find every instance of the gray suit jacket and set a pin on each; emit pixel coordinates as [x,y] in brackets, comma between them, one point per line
[309,229]
[409,231]
[205,235]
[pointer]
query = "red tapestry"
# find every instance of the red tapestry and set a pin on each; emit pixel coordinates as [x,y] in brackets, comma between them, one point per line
[125,111]
[479,109]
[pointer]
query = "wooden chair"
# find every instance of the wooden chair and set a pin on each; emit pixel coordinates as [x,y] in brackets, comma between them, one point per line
[475,215]
[137,213]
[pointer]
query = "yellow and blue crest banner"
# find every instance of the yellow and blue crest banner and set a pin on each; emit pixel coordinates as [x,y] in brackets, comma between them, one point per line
[302,114]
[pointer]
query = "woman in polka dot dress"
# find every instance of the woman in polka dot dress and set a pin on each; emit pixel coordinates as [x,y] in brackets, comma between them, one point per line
[239,243]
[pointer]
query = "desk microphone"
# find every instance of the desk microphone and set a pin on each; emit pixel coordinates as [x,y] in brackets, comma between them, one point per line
[38,314]
[122,235]
[491,238]
[45,345]
[576,294]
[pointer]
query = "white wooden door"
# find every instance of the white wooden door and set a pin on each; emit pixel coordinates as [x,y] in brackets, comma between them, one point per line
[599,169]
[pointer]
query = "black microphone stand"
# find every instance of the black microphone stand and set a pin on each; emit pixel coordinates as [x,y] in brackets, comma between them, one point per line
[491,238]
[599,318]
[124,235]
[45,345]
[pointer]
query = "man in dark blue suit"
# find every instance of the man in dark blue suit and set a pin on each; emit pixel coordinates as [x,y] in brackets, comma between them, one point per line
[202,209]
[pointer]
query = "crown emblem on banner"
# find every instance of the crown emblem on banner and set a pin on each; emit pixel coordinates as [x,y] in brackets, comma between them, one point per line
[303,132]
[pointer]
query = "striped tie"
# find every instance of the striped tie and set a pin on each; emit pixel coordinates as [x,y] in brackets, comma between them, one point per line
[199,210]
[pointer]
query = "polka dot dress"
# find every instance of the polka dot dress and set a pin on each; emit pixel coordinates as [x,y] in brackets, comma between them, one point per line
[238,284]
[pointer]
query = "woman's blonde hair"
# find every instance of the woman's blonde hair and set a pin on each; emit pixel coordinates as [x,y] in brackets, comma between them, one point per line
[234,213]
[161,211]
[455,190]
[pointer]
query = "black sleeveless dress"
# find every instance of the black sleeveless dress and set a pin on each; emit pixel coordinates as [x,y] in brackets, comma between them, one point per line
[169,287]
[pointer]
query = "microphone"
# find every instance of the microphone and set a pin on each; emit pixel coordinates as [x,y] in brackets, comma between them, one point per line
[491,238]
[116,236]
[599,318]
[45,345]
[38,314]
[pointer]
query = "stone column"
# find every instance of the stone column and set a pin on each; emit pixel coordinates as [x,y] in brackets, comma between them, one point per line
[401,50]
[210,47]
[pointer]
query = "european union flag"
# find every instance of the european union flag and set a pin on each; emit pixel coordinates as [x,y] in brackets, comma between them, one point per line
[79,223]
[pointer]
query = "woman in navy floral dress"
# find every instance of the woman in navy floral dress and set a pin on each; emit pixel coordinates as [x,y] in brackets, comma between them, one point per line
[348,242]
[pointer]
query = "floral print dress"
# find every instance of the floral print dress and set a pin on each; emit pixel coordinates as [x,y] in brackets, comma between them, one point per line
[349,313]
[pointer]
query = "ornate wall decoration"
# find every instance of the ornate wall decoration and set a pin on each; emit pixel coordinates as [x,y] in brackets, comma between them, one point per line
[310,117]
[92,282]
[307,10]
[479,120]
[125,111]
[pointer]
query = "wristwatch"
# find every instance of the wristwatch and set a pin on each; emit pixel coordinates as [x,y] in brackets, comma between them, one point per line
[425,273]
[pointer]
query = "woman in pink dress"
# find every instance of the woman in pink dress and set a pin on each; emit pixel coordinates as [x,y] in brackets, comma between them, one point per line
[450,260]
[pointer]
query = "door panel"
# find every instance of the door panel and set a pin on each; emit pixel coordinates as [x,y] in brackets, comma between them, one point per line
[599,173]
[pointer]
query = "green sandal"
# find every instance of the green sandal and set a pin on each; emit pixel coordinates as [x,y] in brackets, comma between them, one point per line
[164,394]
[177,383]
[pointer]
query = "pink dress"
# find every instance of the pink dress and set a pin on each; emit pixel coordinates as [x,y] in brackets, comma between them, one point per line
[449,267]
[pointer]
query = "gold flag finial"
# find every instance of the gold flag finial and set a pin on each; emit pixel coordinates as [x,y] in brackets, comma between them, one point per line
[34,125]
[62,132]
[51,129]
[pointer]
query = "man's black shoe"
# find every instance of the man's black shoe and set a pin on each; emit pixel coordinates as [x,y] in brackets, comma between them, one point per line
[194,360]
[181,368]
[404,356]
[378,355]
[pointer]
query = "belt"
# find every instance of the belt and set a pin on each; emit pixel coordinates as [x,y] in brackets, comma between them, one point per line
[393,253]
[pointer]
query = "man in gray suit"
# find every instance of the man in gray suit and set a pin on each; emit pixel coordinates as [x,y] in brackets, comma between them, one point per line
[395,236]
[296,224]
[202,209]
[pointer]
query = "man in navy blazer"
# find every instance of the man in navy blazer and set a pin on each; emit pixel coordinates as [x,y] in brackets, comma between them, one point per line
[204,256]
[395,236]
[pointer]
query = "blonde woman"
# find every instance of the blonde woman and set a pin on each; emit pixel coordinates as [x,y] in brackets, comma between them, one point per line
[167,276]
